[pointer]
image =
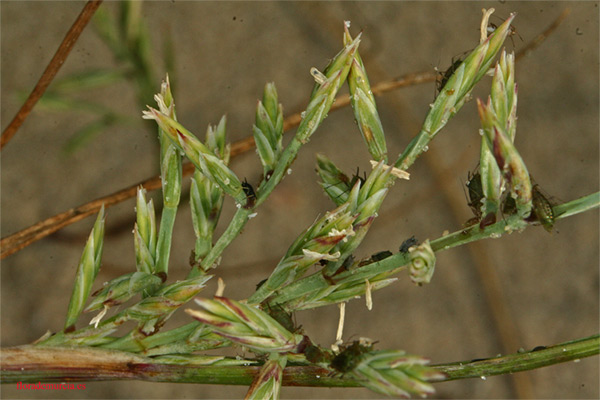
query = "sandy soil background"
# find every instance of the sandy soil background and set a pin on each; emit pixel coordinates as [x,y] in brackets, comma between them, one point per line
[225,53]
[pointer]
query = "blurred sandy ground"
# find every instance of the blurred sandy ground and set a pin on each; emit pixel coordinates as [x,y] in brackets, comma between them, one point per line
[226,52]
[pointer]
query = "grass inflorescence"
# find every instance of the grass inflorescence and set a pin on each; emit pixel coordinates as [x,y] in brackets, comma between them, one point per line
[319,268]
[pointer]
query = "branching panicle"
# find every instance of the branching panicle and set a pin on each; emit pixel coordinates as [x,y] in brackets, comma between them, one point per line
[322,266]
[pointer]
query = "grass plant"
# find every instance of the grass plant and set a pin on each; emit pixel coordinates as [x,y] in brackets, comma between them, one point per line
[318,269]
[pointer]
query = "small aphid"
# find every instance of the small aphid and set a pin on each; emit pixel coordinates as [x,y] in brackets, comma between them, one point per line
[407,244]
[478,359]
[443,77]
[538,348]
[382,255]
[285,319]
[250,195]
[542,208]
[268,175]
[259,284]
[162,275]
[348,262]
[489,219]
[194,260]
[474,197]
[350,356]
[348,183]
[317,355]
[509,206]
[356,177]
[511,32]
[475,193]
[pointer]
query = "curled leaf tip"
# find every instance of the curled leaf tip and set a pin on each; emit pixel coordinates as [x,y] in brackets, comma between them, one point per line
[422,263]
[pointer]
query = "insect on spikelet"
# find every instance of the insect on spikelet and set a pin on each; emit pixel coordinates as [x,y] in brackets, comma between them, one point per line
[350,182]
[475,198]
[542,208]
[511,32]
[407,244]
[285,319]
[475,193]
[442,77]
[250,194]
[381,255]
[350,356]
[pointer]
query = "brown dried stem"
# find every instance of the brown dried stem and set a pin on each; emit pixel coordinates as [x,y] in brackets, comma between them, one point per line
[51,70]
[539,39]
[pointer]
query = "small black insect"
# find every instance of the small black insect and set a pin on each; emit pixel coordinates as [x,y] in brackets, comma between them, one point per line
[259,284]
[478,359]
[407,244]
[250,195]
[268,175]
[348,262]
[350,182]
[350,356]
[443,77]
[345,185]
[382,255]
[356,177]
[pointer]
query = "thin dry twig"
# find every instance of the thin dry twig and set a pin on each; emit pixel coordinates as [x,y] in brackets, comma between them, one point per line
[539,39]
[19,240]
[51,70]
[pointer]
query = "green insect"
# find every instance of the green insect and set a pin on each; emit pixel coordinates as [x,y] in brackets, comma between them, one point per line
[350,356]
[542,208]
[317,355]
[285,319]
[475,192]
